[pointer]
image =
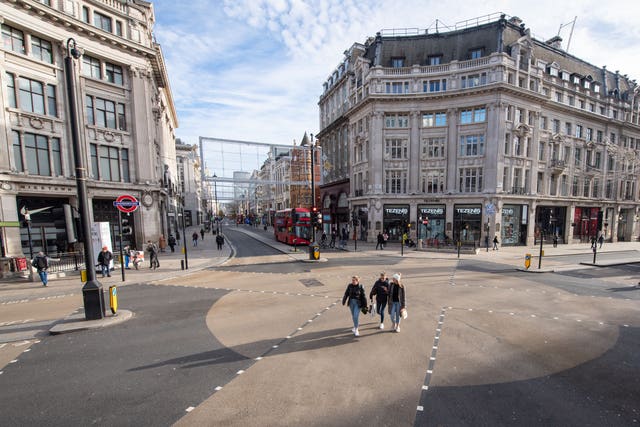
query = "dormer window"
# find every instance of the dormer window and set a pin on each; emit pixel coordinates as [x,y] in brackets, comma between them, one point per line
[576,80]
[434,60]
[397,62]
[475,53]
[552,71]
[564,75]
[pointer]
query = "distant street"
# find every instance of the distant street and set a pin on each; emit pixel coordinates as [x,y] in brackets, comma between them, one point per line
[263,340]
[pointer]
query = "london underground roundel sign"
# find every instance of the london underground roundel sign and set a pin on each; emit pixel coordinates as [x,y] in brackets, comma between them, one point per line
[126,203]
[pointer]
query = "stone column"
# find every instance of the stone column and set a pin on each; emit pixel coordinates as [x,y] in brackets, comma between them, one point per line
[414,153]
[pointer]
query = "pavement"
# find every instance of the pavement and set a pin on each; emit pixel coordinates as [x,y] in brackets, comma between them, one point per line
[206,255]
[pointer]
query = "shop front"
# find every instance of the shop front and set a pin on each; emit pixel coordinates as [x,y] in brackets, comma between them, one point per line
[431,224]
[550,221]
[625,225]
[585,223]
[467,223]
[361,215]
[514,225]
[395,220]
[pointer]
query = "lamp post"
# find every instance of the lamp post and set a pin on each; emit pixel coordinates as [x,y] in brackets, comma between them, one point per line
[27,218]
[92,290]
[215,197]
[184,240]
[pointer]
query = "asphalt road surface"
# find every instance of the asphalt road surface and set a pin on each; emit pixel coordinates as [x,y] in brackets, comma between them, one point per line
[263,340]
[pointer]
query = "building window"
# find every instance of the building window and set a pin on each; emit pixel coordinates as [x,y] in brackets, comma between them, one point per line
[395,182]
[470,180]
[517,146]
[474,80]
[434,60]
[105,113]
[434,119]
[472,145]
[589,134]
[543,123]
[434,85]
[91,67]
[85,14]
[433,181]
[396,148]
[567,128]
[475,115]
[397,62]
[11,90]
[541,151]
[109,163]
[578,156]
[52,105]
[433,147]
[102,21]
[396,121]
[599,136]
[13,39]
[118,28]
[31,95]
[113,73]
[397,87]
[40,154]
[578,131]
[475,53]
[41,49]
[93,152]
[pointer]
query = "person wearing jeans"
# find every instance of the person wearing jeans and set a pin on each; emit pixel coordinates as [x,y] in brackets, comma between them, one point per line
[355,295]
[396,301]
[381,291]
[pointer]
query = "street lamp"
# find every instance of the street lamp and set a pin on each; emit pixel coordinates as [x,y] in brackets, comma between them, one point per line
[92,295]
[215,197]
[184,239]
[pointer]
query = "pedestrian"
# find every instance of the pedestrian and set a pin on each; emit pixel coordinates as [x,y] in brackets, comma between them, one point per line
[127,257]
[152,248]
[172,242]
[385,236]
[555,240]
[332,243]
[593,242]
[104,261]
[381,291]
[356,298]
[41,263]
[601,240]
[219,241]
[194,236]
[202,233]
[345,238]
[486,241]
[396,301]
[380,241]
[162,243]
[495,243]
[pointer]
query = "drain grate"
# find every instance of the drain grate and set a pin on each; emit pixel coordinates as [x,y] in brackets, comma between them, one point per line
[311,282]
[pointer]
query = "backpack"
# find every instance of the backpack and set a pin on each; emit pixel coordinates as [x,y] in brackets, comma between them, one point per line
[40,263]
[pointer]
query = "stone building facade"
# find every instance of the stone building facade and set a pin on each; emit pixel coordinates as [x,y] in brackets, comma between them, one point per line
[126,121]
[480,131]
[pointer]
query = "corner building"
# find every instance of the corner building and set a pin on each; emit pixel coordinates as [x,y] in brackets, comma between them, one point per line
[126,121]
[480,131]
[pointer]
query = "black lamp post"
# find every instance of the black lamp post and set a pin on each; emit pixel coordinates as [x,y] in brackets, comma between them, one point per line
[92,289]
[184,240]
[215,197]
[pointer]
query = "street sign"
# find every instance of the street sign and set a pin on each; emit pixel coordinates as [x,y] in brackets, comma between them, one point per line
[126,203]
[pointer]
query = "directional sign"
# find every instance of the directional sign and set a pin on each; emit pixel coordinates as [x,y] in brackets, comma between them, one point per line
[126,203]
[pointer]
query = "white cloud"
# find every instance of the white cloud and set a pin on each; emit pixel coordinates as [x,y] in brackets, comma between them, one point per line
[254,69]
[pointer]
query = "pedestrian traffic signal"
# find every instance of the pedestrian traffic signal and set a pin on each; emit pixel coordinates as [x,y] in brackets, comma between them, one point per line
[126,228]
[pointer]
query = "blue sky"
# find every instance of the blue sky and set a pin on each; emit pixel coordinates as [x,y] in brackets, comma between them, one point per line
[253,69]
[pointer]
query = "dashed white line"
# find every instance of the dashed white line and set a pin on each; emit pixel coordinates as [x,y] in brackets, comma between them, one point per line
[190,408]
[240,372]
[420,408]
[218,388]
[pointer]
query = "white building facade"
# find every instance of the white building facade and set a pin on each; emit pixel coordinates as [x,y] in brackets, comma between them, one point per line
[480,132]
[126,121]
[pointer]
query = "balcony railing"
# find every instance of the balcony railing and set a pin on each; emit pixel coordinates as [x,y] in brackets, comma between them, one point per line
[518,190]
[558,166]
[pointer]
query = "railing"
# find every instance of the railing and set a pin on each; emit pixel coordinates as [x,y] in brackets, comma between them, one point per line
[68,261]
[518,190]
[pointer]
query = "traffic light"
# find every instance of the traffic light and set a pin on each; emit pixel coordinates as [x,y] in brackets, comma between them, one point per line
[126,228]
[314,217]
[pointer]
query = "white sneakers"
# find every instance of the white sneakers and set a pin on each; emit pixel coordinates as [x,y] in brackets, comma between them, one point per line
[381,325]
[398,328]
[356,333]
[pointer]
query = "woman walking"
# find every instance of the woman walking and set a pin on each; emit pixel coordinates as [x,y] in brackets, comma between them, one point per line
[355,296]
[396,301]
[381,291]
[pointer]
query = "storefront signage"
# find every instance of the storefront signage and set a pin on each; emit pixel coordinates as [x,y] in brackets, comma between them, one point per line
[507,211]
[432,211]
[397,211]
[468,211]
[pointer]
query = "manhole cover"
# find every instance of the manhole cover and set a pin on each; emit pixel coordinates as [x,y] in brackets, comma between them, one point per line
[311,282]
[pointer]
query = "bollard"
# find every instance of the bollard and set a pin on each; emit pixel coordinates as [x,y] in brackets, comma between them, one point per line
[182,264]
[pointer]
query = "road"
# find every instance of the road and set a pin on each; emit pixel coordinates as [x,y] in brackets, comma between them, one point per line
[263,340]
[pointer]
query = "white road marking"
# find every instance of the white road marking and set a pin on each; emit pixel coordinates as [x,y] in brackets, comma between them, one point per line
[218,388]
[240,372]
[190,408]
[420,408]
[425,387]
[14,361]
[258,358]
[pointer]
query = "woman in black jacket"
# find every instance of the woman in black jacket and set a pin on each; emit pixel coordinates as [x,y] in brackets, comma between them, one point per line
[381,291]
[355,295]
[396,301]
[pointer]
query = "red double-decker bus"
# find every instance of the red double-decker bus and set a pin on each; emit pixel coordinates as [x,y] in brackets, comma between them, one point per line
[293,226]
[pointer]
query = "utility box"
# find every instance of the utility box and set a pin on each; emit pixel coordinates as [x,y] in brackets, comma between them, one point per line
[314,252]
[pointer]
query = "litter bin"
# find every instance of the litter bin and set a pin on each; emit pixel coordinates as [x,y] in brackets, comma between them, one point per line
[314,252]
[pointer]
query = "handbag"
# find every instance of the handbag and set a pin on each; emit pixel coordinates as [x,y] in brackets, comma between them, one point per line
[372,309]
[404,313]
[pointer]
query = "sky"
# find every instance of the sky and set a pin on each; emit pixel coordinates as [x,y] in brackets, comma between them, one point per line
[253,70]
